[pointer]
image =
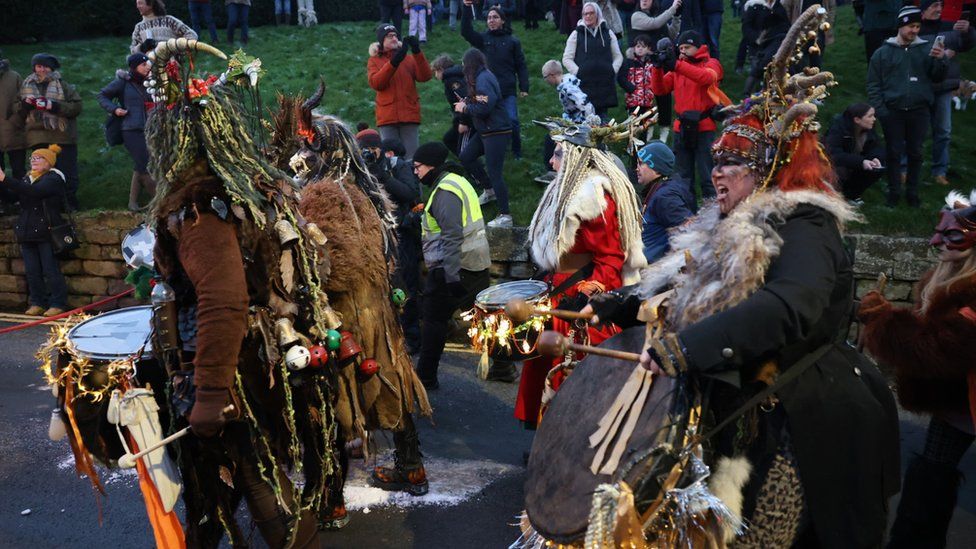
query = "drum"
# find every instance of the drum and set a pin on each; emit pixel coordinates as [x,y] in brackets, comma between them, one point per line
[493,332]
[97,347]
[137,247]
[559,484]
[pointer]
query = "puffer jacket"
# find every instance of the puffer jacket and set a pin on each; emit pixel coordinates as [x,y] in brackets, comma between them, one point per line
[489,116]
[841,144]
[954,40]
[45,192]
[689,81]
[12,135]
[503,52]
[900,77]
[129,93]
[634,77]
[397,101]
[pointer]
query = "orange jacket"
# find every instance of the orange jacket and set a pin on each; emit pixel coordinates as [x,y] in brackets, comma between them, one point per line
[692,84]
[397,101]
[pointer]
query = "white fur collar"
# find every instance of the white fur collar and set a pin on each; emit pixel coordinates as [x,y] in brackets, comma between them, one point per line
[743,244]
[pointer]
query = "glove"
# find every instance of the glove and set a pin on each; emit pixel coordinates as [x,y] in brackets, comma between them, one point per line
[399,56]
[616,308]
[669,62]
[207,414]
[413,43]
[873,305]
[574,303]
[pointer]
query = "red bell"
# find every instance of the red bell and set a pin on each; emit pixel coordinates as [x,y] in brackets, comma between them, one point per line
[349,349]
[369,367]
[320,356]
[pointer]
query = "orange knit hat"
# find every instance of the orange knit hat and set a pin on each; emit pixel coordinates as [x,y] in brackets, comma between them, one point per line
[50,154]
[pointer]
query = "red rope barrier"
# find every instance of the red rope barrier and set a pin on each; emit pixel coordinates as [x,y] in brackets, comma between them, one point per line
[67,313]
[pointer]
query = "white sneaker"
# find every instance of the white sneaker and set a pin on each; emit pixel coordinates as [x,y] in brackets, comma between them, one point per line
[503,220]
[486,197]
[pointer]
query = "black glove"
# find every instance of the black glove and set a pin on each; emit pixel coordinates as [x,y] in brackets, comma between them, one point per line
[574,303]
[399,56]
[668,62]
[617,308]
[207,415]
[413,43]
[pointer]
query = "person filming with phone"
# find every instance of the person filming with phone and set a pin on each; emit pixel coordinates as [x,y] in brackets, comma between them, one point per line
[855,150]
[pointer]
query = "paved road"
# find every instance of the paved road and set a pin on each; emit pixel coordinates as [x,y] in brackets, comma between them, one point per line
[474,453]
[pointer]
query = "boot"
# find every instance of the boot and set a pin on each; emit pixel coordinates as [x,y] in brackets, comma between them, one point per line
[407,474]
[148,185]
[502,371]
[928,497]
[134,186]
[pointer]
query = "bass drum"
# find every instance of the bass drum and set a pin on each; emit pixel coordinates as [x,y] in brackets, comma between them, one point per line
[559,485]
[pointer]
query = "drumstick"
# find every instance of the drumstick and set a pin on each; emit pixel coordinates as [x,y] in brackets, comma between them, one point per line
[128,461]
[520,310]
[552,343]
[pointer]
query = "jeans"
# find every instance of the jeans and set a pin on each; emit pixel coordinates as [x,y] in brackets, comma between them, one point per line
[393,14]
[282,6]
[904,133]
[493,148]
[693,157]
[941,111]
[202,12]
[45,283]
[712,24]
[408,134]
[237,17]
[452,16]
[436,310]
[135,144]
[510,102]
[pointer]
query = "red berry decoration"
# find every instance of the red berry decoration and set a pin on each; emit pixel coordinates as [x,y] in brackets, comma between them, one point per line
[369,367]
[320,356]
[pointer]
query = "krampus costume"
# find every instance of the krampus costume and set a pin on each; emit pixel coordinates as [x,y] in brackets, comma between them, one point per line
[355,214]
[244,267]
[799,430]
[931,348]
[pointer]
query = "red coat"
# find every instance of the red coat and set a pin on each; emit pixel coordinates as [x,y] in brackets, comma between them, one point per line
[600,237]
[397,101]
[690,81]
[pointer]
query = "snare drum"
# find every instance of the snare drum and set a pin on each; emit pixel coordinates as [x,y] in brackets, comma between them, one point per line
[491,329]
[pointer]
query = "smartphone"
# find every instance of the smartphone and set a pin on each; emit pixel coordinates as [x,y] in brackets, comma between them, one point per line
[939,41]
[966,16]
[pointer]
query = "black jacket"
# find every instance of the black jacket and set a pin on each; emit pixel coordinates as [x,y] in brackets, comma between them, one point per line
[840,413]
[400,183]
[504,53]
[840,144]
[489,117]
[47,192]
[456,89]
[131,95]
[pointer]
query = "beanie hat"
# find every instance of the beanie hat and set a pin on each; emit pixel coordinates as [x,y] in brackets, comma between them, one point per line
[926,4]
[46,60]
[690,37]
[383,30]
[657,156]
[432,153]
[135,60]
[909,15]
[50,154]
[394,145]
[368,138]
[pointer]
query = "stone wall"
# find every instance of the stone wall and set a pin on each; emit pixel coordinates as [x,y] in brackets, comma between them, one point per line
[96,269]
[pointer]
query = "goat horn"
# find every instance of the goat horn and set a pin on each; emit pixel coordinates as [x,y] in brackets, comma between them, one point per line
[316,97]
[783,125]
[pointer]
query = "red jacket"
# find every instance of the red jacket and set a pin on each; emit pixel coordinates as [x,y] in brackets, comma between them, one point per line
[690,82]
[397,101]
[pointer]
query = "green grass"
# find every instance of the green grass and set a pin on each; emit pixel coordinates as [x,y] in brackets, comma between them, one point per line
[294,58]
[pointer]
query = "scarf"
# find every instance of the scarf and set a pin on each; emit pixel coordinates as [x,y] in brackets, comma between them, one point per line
[31,89]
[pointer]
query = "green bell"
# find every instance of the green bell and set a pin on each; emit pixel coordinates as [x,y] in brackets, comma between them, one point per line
[332,339]
[398,296]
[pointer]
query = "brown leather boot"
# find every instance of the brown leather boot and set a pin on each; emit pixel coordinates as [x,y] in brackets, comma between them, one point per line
[397,479]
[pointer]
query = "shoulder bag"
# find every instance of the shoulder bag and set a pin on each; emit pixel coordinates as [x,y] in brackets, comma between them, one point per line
[113,124]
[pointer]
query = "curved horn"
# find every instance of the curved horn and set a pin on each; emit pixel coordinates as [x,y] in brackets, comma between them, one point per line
[165,50]
[315,99]
[795,38]
[783,125]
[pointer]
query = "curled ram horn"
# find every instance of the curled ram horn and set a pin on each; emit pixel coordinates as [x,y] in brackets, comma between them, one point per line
[783,126]
[809,19]
[315,99]
[800,83]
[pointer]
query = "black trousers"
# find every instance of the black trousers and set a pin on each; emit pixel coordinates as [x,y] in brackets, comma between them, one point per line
[904,133]
[18,162]
[392,13]
[873,40]
[853,183]
[407,276]
[438,306]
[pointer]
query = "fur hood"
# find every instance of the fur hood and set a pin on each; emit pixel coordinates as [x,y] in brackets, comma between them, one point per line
[374,50]
[589,202]
[743,244]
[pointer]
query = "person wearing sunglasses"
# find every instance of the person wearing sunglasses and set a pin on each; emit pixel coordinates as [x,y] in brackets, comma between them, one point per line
[930,346]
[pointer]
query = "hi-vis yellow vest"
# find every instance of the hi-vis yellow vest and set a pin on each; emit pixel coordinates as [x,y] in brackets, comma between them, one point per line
[474,249]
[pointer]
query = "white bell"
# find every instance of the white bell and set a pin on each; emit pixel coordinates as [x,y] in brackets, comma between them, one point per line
[297,358]
[56,429]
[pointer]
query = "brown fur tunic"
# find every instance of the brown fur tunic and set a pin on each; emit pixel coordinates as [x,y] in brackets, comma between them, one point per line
[931,352]
[359,290]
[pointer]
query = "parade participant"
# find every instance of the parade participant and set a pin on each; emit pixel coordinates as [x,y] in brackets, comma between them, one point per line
[242,263]
[931,349]
[585,235]
[763,289]
[377,387]
[455,250]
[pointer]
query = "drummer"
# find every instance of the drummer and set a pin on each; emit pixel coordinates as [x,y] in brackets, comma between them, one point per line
[586,234]
[455,250]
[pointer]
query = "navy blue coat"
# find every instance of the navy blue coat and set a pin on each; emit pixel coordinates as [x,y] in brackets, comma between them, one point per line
[668,204]
[489,116]
[503,52]
[132,99]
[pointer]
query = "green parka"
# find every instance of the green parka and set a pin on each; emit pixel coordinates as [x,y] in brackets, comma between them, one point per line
[900,77]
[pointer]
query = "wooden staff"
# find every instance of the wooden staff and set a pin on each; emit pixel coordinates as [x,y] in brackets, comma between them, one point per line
[128,461]
[552,343]
[520,310]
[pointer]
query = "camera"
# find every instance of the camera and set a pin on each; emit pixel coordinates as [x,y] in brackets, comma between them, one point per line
[664,54]
[369,156]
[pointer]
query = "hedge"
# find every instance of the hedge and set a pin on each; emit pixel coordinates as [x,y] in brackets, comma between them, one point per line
[68,19]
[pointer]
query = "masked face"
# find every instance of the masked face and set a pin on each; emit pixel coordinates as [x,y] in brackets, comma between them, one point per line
[733,180]
[954,233]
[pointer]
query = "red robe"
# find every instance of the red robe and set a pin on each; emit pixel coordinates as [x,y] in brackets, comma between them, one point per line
[601,237]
